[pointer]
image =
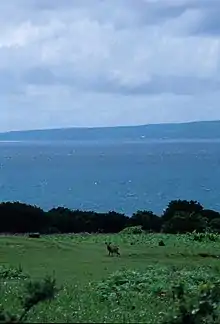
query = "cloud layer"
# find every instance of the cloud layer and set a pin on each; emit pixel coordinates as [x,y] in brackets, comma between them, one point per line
[108,62]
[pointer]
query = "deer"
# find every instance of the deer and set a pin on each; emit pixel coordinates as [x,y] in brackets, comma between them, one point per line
[112,249]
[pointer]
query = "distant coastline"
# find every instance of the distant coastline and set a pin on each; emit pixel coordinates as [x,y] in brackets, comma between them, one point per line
[181,131]
[10,141]
[113,142]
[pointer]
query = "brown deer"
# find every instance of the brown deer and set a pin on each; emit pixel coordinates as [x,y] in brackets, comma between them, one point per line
[112,249]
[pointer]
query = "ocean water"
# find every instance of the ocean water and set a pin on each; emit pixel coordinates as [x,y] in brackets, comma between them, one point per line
[103,176]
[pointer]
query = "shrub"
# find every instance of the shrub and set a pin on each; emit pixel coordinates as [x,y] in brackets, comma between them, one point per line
[181,206]
[7,272]
[147,219]
[204,308]
[184,222]
[161,243]
[34,235]
[207,236]
[35,292]
[132,230]
[121,282]
[215,224]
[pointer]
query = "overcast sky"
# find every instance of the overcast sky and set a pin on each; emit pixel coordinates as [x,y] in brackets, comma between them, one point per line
[108,62]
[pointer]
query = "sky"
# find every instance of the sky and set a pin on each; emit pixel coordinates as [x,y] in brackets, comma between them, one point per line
[74,63]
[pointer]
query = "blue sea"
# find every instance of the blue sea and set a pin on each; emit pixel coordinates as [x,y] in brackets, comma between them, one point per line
[104,175]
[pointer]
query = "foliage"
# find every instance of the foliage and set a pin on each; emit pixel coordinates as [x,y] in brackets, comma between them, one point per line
[35,292]
[210,214]
[132,230]
[195,305]
[202,309]
[143,286]
[154,280]
[206,236]
[184,222]
[120,283]
[161,243]
[147,219]
[17,217]
[180,216]
[215,224]
[176,206]
[7,272]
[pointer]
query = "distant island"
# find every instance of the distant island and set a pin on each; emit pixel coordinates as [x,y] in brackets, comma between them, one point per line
[191,130]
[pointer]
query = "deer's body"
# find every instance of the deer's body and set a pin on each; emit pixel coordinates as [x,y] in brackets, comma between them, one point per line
[112,249]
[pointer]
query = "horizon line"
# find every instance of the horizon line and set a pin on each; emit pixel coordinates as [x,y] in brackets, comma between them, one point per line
[107,127]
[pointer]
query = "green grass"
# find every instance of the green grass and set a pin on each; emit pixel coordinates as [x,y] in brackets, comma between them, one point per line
[96,288]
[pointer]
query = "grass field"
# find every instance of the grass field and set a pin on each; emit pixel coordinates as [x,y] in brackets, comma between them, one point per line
[96,288]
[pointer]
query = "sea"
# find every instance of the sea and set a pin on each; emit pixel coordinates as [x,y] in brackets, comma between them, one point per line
[121,176]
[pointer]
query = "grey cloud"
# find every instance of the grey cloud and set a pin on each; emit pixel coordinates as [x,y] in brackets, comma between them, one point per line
[209,24]
[9,83]
[102,59]
[50,76]
[144,12]
[39,75]
[120,13]
[175,85]
[56,4]
[202,4]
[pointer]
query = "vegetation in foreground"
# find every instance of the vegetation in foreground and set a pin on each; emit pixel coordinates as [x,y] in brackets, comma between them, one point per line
[177,282]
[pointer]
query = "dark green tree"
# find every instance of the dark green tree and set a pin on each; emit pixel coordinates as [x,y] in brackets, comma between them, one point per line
[147,219]
[181,206]
[184,222]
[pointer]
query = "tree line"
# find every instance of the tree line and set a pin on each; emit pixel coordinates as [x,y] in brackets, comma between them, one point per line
[180,216]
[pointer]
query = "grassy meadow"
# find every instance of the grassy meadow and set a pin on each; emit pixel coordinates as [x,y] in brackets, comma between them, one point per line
[97,288]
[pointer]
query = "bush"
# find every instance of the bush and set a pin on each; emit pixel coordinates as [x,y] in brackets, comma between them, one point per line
[207,236]
[9,273]
[215,224]
[180,216]
[132,230]
[34,235]
[210,214]
[124,283]
[147,219]
[35,292]
[202,309]
[120,283]
[184,222]
[161,243]
[176,206]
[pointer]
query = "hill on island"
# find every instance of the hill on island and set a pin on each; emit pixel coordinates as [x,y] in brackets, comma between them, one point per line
[192,130]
